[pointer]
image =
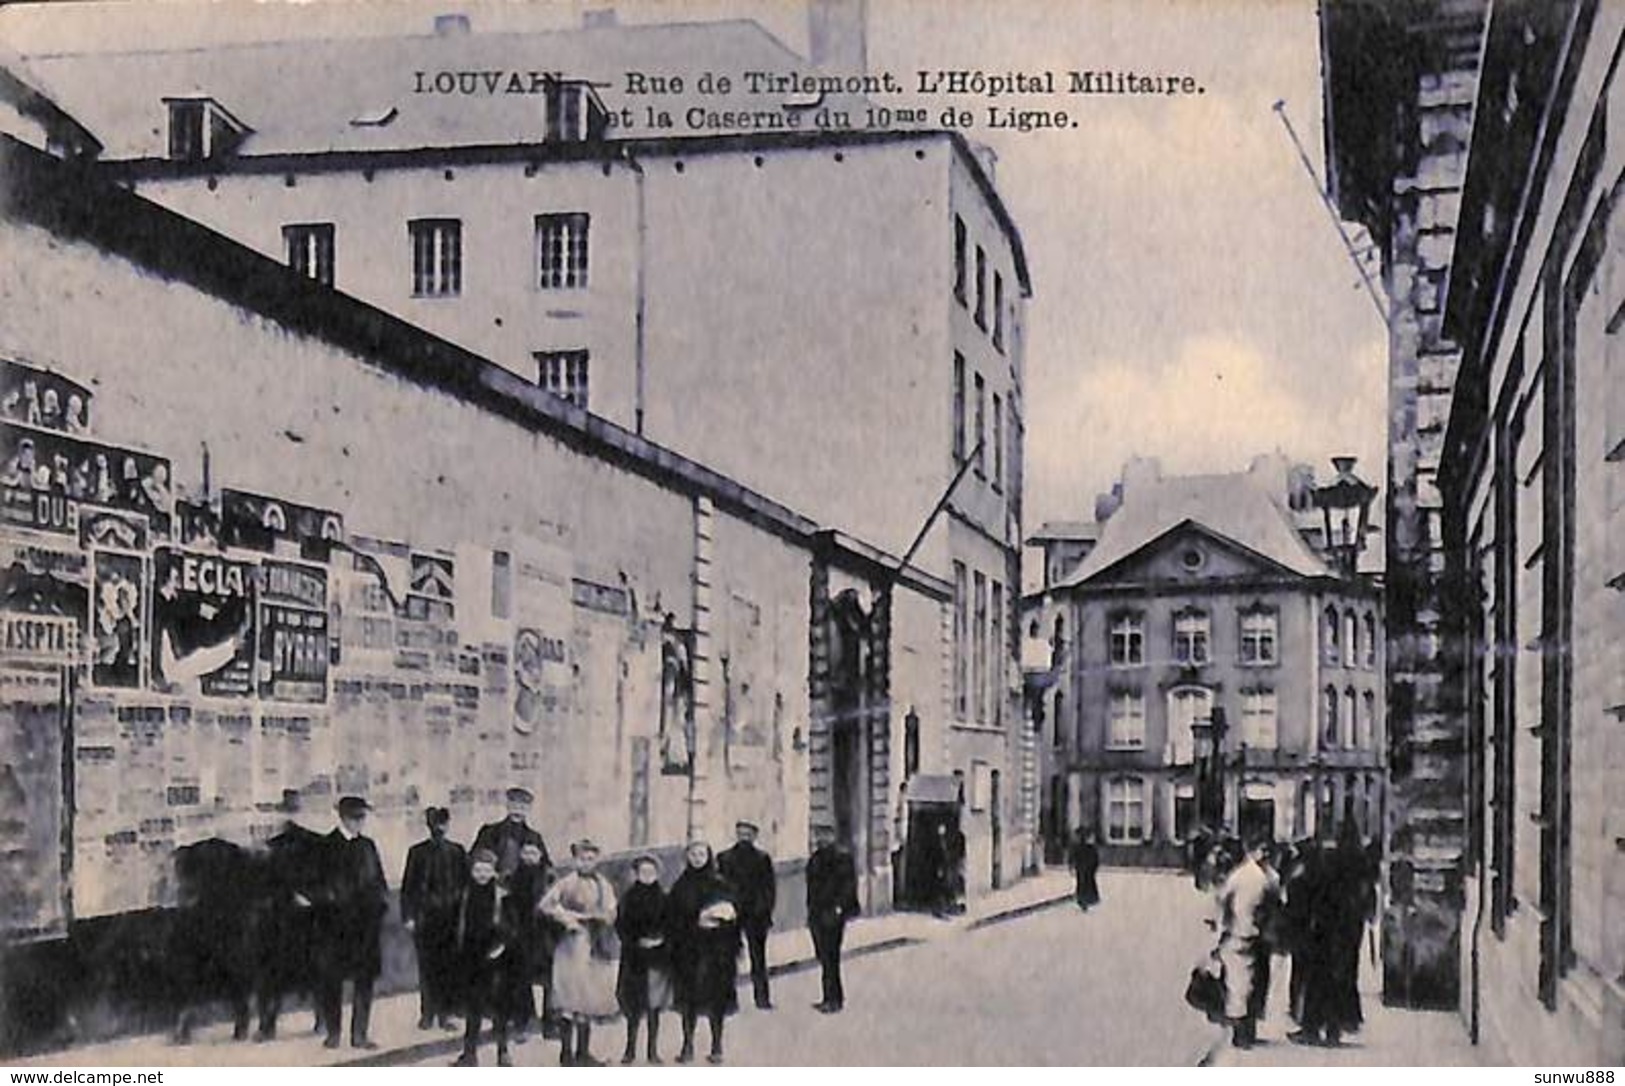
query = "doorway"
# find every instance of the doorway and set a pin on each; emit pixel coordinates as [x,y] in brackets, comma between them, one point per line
[996,816]
[930,827]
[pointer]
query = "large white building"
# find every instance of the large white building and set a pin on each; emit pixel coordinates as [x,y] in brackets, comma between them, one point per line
[834,316]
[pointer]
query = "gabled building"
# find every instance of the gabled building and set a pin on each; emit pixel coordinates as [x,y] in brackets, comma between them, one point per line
[1203,613]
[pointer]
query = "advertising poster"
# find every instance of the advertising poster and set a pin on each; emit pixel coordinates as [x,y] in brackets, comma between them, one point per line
[32,902]
[293,632]
[117,625]
[36,397]
[48,477]
[543,619]
[202,624]
[255,522]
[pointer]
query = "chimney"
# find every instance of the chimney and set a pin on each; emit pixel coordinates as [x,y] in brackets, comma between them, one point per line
[452,25]
[837,36]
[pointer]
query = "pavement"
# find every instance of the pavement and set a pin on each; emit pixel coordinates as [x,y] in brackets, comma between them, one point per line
[394,1017]
[1391,1036]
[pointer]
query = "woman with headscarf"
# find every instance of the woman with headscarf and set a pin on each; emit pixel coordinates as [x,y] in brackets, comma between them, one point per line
[644,987]
[702,925]
[584,961]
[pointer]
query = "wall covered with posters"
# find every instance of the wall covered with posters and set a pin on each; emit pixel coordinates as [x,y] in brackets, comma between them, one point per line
[329,578]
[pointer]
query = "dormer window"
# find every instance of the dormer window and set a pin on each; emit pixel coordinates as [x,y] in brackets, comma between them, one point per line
[201,128]
[575,114]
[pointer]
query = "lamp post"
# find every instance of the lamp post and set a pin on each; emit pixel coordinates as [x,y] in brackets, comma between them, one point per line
[1207,741]
[1345,506]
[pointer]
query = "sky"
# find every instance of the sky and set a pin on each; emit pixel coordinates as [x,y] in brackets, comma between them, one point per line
[1192,299]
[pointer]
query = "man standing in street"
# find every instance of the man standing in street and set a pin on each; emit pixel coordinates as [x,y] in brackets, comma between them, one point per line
[351,924]
[832,900]
[750,870]
[506,837]
[431,889]
[1245,896]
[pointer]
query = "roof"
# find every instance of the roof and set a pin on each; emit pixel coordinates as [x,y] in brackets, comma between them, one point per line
[21,88]
[302,99]
[1236,507]
[74,203]
[1057,531]
[302,96]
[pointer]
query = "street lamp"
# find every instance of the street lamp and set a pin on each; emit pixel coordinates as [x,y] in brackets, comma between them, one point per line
[1345,506]
[1207,743]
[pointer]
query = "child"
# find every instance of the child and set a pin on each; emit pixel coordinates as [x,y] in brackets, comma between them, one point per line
[485,927]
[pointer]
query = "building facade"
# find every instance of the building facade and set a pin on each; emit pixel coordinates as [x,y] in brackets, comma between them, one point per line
[589,260]
[1399,108]
[1530,485]
[238,582]
[1203,610]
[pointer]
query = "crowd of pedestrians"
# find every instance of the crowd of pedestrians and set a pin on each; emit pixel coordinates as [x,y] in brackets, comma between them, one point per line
[1309,902]
[495,926]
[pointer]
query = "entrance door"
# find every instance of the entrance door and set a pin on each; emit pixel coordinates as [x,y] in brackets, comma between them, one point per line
[1257,816]
[929,825]
[848,794]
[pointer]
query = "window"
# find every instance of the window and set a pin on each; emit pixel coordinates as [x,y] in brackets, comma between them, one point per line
[572,116]
[310,250]
[1258,720]
[960,243]
[1126,646]
[1348,719]
[981,288]
[911,744]
[998,442]
[1184,811]
[1351,639]
[997,657]
[437,257]
[501,584]
[1186,706]
[979,647]
[1259,629]
[1191,630]
[561,251]
[959,409]
[186,130]
[1125,728]
[981,427]
[1125,810]
[1330,650]
[1012,431]
[1328,722]
[961,627]
[1370,659]
[998,311]
[1058,738]
[564,374]
[1367,736]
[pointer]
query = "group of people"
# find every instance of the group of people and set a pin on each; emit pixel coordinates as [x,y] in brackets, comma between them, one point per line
[497,923]
[1310,901]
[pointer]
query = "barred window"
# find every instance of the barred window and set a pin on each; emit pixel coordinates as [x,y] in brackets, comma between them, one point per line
[310,250]
[564,374]
[561,250]
[437,257]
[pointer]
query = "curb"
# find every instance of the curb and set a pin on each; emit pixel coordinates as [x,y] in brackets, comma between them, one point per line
[445,1046]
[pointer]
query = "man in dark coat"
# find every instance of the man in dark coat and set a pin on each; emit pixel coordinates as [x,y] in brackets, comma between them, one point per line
[431,889]
[350,924]
[293,872]
[211,950]
[832,900]
[750,870]
[505,837]
[1085,865]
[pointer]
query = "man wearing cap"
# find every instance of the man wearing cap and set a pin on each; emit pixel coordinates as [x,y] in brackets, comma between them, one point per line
[350,922]
[750,871]
[431,890]
[506,837]
[832,900]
